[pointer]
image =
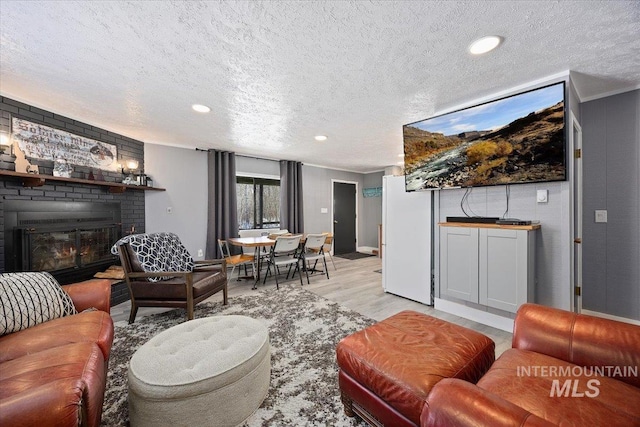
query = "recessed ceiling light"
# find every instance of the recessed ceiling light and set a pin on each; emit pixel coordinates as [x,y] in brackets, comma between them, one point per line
[200,108]
[320,138]
[484,45]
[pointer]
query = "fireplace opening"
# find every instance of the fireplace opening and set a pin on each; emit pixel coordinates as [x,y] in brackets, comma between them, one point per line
[71,240]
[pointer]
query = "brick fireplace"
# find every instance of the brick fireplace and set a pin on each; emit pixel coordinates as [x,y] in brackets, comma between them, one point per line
[129,205]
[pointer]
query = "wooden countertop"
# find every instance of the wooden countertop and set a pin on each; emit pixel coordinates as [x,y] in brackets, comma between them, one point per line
[489,225]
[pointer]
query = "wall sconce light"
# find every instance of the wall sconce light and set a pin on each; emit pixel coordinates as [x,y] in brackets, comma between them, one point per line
[132,165]
[5,143]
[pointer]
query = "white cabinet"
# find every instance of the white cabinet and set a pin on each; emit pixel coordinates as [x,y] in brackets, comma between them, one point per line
[488,264]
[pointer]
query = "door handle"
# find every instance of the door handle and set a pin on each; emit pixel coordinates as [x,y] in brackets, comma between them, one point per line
[335,222]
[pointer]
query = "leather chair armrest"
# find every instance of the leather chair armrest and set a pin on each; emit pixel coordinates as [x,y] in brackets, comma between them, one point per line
[91,293]
[57,403]
[454,402]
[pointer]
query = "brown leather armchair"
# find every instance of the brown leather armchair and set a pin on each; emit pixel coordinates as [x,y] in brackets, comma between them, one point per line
[563,369]
[160,272]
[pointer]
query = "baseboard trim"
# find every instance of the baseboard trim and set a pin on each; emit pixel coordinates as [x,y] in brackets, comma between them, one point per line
[366,249]
[489,319]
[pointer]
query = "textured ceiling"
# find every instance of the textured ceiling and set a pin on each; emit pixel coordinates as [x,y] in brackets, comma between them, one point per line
[277,73]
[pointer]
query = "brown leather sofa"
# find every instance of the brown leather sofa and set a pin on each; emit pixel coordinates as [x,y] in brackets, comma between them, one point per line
[563,369]
[54,373]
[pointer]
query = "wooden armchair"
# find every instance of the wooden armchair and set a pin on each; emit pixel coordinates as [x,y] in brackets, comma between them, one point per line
[160,272]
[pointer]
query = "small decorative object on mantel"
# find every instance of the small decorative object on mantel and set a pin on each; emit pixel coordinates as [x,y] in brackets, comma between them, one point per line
[99,175]
[141,179]
[149,181]
[22,164]
[61,168]
[91,177]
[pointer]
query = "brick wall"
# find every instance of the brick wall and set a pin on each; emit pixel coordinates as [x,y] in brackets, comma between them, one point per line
[131,201]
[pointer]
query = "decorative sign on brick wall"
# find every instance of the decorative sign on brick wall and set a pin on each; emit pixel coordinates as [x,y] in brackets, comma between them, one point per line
[46,143]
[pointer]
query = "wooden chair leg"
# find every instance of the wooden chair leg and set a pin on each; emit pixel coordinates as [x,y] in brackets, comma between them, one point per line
[225,294]
[133,312]
[189,289]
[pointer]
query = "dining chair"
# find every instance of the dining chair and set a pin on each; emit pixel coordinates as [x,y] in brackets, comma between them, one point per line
[328,247]
[236,260]
[285,252]
[313,251]
[160,272]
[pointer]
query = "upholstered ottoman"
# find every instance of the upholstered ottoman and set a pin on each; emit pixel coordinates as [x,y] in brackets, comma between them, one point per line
[388,369]
[211,371]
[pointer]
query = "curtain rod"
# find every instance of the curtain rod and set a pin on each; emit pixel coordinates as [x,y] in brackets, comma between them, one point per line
[248,156]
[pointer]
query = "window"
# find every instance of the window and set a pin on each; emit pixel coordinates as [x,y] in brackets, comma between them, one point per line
[258,202]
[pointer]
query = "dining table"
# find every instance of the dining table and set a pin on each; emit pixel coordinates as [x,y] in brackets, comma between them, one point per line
[257,243]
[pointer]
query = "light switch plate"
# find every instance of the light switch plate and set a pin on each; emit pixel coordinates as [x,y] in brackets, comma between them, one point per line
[542,196]
[200,252]
[601,215]
[324,210]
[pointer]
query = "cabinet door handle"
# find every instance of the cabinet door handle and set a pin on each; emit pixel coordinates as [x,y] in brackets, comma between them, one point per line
[577,240]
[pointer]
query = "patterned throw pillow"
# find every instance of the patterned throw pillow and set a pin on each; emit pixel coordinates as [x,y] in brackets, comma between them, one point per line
[158,252]
[27,299]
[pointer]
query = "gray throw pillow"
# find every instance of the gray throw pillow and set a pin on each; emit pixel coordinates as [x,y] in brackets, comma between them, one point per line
[27,299]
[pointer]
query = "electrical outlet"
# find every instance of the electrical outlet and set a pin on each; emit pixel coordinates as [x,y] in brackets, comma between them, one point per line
[169,210]
[200,252]
[601,216]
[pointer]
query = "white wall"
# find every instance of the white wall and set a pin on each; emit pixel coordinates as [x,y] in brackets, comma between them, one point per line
[183,173]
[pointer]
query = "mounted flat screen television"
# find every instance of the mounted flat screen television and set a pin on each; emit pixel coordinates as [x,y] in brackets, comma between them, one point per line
[514,140]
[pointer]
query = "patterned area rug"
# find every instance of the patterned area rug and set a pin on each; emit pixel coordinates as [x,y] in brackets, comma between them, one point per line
[303,328]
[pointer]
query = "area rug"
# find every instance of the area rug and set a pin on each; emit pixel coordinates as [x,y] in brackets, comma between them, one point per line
[354,255]
[304,329]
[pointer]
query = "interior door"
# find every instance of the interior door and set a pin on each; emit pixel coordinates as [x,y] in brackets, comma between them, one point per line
[344,218]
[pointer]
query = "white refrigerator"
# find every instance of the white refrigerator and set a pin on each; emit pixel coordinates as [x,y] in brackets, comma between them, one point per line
[406,241]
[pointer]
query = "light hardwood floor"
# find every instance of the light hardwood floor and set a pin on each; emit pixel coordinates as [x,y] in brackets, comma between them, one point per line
[354,284]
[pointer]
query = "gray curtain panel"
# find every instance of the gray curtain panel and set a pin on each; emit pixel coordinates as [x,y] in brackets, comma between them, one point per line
[222,206]
[291,216]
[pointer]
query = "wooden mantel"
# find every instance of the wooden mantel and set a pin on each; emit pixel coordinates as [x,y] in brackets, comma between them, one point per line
[36,180]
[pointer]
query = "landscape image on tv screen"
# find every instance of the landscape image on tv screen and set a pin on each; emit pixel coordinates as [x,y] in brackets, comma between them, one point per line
[513,140]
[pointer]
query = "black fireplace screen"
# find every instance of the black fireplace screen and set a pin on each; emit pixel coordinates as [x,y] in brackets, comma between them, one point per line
[71,240]
[61,249]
